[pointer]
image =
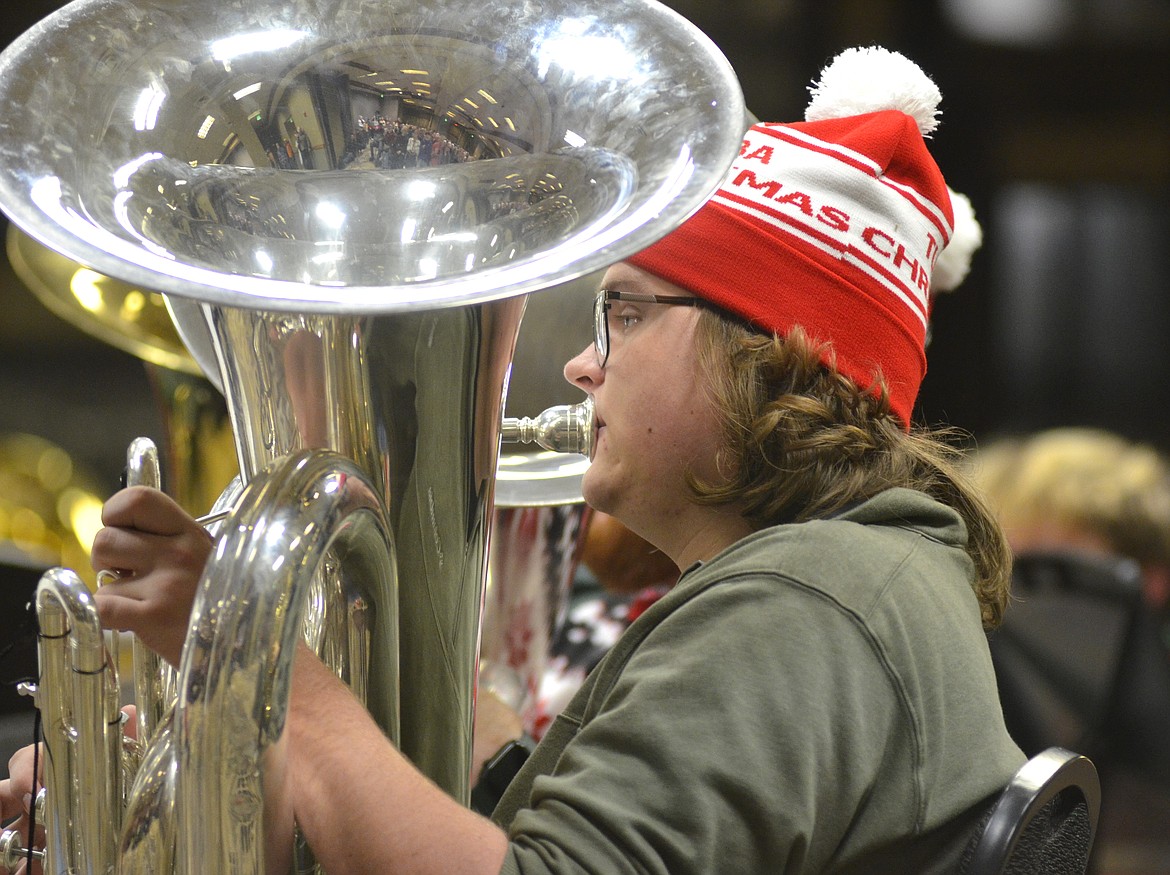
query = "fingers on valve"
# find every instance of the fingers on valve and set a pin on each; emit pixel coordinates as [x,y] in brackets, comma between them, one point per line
[145,509]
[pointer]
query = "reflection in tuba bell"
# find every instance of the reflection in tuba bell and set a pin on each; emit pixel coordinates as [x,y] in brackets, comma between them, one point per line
[346,204]
[538,531]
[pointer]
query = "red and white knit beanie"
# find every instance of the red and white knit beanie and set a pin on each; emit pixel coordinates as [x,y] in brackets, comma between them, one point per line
[834,224]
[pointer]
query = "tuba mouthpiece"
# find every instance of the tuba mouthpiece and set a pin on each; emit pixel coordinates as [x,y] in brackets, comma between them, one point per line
[565,428]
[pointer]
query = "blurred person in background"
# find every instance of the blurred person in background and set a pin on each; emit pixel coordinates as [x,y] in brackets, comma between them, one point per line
[1085,489]
[1087,665]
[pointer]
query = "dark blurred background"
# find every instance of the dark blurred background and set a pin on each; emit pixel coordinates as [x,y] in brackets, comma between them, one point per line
[1056,123]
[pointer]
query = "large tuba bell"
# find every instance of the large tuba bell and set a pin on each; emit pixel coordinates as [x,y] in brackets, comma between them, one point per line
[347,201]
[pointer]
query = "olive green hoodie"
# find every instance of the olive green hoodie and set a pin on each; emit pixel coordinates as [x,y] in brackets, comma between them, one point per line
[817,698]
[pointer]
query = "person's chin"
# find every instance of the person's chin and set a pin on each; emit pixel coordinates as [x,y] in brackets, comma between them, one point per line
[596,490]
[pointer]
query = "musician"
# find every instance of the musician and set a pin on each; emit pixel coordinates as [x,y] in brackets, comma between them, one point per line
[815,694]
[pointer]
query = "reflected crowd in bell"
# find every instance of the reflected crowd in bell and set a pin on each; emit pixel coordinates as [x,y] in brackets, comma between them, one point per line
[392,146]
[281,178]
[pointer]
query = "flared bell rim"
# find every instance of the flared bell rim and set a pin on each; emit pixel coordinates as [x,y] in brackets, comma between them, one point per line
[539,479]
[676,159]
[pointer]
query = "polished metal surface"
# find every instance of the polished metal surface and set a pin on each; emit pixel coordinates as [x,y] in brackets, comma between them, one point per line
[539,479]
[154,680]
[537,533]
[78,698]
[416,400]
[563,428]
[310,516]
[13,852]
[353,298]
[132,319]
[138,321]
[155,148]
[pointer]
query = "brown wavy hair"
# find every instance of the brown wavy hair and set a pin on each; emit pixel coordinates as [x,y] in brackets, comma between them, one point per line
[801,441]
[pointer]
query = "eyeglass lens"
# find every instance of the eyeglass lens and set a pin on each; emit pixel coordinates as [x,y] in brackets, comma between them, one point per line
[601,329]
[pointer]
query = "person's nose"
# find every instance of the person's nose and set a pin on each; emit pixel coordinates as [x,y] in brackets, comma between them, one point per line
[583,371]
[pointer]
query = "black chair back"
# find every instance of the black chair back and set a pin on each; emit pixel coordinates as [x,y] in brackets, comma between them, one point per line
[1044,821]
[1080,662]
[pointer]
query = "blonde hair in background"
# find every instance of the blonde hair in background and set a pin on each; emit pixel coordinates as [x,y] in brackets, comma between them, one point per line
[1086,483]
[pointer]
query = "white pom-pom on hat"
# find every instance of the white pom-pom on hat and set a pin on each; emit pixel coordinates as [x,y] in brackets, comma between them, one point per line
[863,80]
[953,263]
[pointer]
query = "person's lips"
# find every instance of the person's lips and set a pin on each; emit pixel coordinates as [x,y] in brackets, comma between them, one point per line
[598,426]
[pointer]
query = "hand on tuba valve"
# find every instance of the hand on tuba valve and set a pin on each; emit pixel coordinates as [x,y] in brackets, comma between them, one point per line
[160,551]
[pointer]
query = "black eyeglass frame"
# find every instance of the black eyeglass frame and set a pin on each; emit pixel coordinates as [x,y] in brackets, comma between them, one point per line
[601,306]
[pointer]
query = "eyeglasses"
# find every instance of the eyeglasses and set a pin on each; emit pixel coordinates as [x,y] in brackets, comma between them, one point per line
[603,302]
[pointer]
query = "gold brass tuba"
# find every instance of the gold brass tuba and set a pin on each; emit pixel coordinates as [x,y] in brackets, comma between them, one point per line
[346,203]
[197,443]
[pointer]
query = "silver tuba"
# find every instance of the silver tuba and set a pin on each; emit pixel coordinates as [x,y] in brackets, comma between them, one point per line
[357,297]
